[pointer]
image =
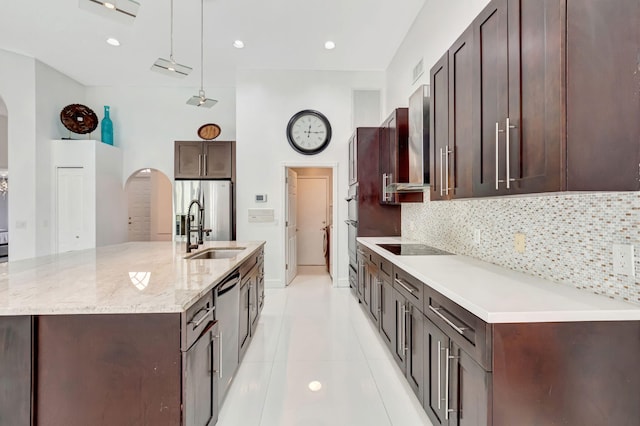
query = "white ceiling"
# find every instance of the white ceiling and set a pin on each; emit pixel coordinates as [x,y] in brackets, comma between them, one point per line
[278,34]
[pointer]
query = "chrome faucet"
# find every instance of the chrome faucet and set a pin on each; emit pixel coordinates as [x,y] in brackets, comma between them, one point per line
[200,227]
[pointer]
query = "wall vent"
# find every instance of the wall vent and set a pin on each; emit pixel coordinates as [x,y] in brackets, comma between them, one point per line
[418,70]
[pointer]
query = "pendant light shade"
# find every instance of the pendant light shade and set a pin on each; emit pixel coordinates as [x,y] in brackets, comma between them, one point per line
[201,99]
[120,10]
[170,66]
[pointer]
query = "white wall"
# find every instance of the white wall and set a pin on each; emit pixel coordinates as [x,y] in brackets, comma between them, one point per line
[161,207]
[146,121]
[437,26]
[111,199]
[4,140]
[54,91]
[265,101]
[17,89]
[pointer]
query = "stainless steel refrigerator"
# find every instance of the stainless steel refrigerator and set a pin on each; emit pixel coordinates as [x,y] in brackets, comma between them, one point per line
[216,197]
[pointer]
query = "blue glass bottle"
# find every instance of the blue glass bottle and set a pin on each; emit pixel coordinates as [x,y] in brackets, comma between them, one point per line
[106,126]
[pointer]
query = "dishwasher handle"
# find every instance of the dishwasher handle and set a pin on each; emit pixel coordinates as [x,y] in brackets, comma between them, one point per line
[230,282]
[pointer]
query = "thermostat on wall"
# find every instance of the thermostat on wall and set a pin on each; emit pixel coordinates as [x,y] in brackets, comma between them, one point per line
[261,198]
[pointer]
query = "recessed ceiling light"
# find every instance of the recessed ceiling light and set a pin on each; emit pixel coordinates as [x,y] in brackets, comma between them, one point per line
[329,45]
[112,41]
[109,5]
[315,386]
[238,44]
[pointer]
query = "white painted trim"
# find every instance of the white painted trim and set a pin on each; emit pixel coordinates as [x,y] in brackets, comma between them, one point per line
[334,178]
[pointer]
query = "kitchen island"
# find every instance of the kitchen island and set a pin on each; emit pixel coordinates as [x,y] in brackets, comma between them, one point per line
[123,334]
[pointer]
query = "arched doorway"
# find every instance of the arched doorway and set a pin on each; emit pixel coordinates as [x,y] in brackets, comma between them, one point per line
[149,201]
[4,182]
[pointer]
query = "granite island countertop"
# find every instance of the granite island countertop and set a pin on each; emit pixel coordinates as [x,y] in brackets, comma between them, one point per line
[135,277]
[499,295]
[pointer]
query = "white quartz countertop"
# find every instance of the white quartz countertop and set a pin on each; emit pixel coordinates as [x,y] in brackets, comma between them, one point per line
[136,277]
[499,295]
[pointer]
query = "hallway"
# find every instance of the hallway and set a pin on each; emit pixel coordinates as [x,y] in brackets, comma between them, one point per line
[311,335]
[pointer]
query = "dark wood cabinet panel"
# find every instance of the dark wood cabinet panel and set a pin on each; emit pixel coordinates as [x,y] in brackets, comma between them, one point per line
[470,391]
[400,320]
[15,370]
[603,102]
[439,126]
[387,318]
[374,289]
[217,160]
[108,370]
[566,373]
[204,160]
[435,342]
[244,331]
[200,401]
[415,351]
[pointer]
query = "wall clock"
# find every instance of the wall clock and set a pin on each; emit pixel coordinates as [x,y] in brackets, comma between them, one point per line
[309,132]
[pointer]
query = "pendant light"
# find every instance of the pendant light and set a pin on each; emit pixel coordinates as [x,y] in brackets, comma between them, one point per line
[124,11]
[201,100]
[171,67]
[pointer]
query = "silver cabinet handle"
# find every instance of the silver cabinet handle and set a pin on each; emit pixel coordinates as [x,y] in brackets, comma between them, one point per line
[447,320]
[205,165]
[200,165]
[384,187]
[497,156]
[441,172]
[446,168]
[391,195]
[197,323]
[446,384]
[402,284]
[439,375]
[220,354]
[509,180]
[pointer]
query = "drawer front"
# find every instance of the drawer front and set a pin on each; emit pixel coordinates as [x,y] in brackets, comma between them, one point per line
[471,333]
[410,287]
[385,267]
[196,320]
[364,253]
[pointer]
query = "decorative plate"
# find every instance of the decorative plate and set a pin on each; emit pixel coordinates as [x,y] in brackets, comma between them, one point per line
[209,131]
[79,118]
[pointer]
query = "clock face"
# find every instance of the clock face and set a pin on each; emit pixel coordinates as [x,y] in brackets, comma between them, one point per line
[309,132]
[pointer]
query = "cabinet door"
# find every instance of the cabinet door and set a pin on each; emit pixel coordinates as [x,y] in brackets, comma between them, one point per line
[217,160]
[415,351]
[603,111]
[374,290]
[353,164]
[245,320]
[460,135]
[470,388]
[366,289]
[188,160]
[200,404]
[439,126]
[387,317]
[400,343]
[361,275]
[491,97]
[253,300]
[435,345]
[536,95]
[16,347]
[260,288]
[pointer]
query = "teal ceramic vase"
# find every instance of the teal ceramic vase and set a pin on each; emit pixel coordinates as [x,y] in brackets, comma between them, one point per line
[106,126]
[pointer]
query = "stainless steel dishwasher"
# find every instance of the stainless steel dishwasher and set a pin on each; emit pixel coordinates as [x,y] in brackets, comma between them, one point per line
[227,302]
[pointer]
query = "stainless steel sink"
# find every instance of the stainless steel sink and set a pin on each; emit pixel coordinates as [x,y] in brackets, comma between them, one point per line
[216,253]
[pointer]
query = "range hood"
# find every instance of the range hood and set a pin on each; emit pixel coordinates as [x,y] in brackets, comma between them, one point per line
[418,147]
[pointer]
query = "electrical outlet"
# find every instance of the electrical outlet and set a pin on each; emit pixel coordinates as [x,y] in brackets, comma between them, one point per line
[476,236]
[623,260]
[519,242]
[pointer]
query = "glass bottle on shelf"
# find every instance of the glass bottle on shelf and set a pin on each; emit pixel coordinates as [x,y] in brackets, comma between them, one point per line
[106,126]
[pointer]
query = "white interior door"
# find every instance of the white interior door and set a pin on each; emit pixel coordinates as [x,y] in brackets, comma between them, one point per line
[312,219]
[70,210]
[291,226]
[139,198]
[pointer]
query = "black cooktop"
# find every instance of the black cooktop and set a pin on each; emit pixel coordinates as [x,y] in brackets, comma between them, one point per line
[413,250]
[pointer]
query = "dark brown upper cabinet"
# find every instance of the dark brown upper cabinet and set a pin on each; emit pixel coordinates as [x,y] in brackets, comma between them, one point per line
[603,95]
[554,101]
[518,95]
[394,157]
[451,119]
[204,160]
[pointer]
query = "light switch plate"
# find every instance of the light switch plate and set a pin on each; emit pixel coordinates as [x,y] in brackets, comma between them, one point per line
[476,236]
[519,242]
[624,259]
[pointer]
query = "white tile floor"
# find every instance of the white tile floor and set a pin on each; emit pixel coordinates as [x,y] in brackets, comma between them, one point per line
[313,332]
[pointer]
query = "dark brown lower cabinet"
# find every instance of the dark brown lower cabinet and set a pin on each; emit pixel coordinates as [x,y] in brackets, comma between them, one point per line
[15,370]
[387,318]
[108,370]
[244,331]
[408,348]
[457,388]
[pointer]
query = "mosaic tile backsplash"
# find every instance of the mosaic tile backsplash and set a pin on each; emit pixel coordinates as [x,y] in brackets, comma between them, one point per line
[568,237]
